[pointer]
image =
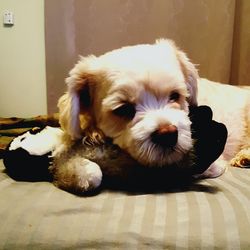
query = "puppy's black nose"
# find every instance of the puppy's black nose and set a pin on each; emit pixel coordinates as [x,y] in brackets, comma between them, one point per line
[165,136]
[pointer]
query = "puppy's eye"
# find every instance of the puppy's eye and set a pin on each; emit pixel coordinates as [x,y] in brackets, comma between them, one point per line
[174,97]
[127,111]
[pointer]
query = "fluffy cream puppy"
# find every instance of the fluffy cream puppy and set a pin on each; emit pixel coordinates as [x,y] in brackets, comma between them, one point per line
[139,96]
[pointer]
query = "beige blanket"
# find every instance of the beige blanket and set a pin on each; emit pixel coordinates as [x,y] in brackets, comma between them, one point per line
[213,214]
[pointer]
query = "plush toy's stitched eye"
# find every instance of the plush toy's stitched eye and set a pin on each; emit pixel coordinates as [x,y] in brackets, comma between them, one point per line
[174,96]
[126,110]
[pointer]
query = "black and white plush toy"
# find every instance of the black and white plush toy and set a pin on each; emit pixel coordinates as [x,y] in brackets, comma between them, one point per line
[39,155]
[28,156]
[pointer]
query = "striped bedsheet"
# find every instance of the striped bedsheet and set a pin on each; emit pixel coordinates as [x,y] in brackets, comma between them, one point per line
[212,214]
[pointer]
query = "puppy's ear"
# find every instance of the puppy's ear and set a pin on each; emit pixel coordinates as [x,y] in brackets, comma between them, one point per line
[191,76]
[188,69]
[69,110]
[75,112]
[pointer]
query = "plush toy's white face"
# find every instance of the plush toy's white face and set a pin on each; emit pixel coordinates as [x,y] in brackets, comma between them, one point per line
[138,96]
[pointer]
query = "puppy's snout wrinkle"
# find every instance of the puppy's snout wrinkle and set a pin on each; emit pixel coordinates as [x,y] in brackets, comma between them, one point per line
[165,135]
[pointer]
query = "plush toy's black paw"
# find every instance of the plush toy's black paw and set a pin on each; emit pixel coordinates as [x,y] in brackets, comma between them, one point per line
[210,137]
[22,166]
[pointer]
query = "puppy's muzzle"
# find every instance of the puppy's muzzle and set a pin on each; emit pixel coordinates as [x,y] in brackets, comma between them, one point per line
[165,136]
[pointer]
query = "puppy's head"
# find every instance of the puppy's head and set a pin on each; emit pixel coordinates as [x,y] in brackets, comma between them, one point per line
[138,96]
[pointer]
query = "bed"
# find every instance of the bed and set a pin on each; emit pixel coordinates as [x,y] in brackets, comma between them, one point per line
[210,214]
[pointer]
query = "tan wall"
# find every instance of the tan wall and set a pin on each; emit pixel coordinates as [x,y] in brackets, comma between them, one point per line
[241,44]
[203,28]
[22,63]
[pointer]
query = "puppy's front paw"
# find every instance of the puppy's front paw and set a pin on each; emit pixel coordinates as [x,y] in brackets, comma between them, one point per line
[242,159]
[215,170]
[77,175]
[89,175]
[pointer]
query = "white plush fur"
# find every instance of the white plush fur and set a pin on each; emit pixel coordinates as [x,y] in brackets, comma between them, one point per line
[43,142]
[147,77]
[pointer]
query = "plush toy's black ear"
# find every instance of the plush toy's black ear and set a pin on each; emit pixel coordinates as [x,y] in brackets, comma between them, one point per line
[210,138]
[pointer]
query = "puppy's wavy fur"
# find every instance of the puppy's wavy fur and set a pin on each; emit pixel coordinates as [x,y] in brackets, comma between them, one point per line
[129,93]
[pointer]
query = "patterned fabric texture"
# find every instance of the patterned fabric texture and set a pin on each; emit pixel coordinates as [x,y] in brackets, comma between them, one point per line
[211,214]
[14,126]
